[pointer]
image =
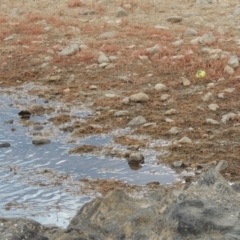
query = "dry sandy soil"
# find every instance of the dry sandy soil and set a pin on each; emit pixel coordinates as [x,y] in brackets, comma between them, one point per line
[32,36]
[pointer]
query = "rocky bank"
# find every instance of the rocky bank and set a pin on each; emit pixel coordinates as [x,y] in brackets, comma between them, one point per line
[207,209]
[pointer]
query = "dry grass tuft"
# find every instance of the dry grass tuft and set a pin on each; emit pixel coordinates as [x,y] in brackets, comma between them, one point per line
[75,3]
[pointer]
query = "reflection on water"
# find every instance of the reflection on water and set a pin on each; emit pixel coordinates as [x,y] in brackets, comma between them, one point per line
[21,191]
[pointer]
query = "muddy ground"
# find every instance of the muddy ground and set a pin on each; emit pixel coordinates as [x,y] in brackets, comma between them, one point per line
[33,33]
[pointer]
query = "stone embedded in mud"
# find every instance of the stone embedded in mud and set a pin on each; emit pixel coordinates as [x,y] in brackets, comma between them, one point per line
[185,81]
[160,87]
[185,140]
[190,32]
[213,106]
[233,61]
[207,38]
[107,35]
[5,145]
[227,117]
[207,97]
[121,113]
[121,12]
[174,19]
[103,58]
[139,97]
[212,121]
[229,70]
[153,50]
[137,121]
[165,97]
[70,50]
[178,164]
[170,112]
[174,130]
[40,141]
[222,165]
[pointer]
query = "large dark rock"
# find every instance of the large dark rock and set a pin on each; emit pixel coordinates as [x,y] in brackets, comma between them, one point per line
[208,209]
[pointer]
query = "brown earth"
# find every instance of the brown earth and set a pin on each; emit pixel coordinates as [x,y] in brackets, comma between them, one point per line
[43,28]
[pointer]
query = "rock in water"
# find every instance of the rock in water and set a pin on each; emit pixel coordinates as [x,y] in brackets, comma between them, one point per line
[5,145]
[40,141]
[24,114]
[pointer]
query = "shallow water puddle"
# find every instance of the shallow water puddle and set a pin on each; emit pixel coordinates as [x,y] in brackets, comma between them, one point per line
[38,181]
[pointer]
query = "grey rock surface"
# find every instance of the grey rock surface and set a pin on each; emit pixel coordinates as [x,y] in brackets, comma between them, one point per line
[207,209]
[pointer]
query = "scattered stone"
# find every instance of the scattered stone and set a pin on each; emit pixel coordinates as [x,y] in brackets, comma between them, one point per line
[110,95]
[91,12]
[125,100]
[207,38]
[220,95]
[8,38]
[178,164]
[137,121]
[121,12]
[139,97]
[153,50]
[170,112]
[178,43]
[107,35]
[210,85]
[15,12]
[110,65]
[121,113]
[185,82]
[169,120]
[135,158]
[229,70]
[96,126]
[103,58]
[5,145]
[185,140]
[222,165]
[24,114]
[143,58]
[227,117]
[174,130]
[233,61]
[213,106]
[103,65]
[229,90]
[40,140]
[207,97]
[174,19]
[237,11]
[113,58]
[150,124]
[165,97]
[93,87]
[54,78]
[190,32]
[212,121]
[70,50]
[160,87]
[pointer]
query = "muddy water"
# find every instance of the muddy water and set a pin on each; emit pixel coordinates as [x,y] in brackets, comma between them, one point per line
[38,181]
